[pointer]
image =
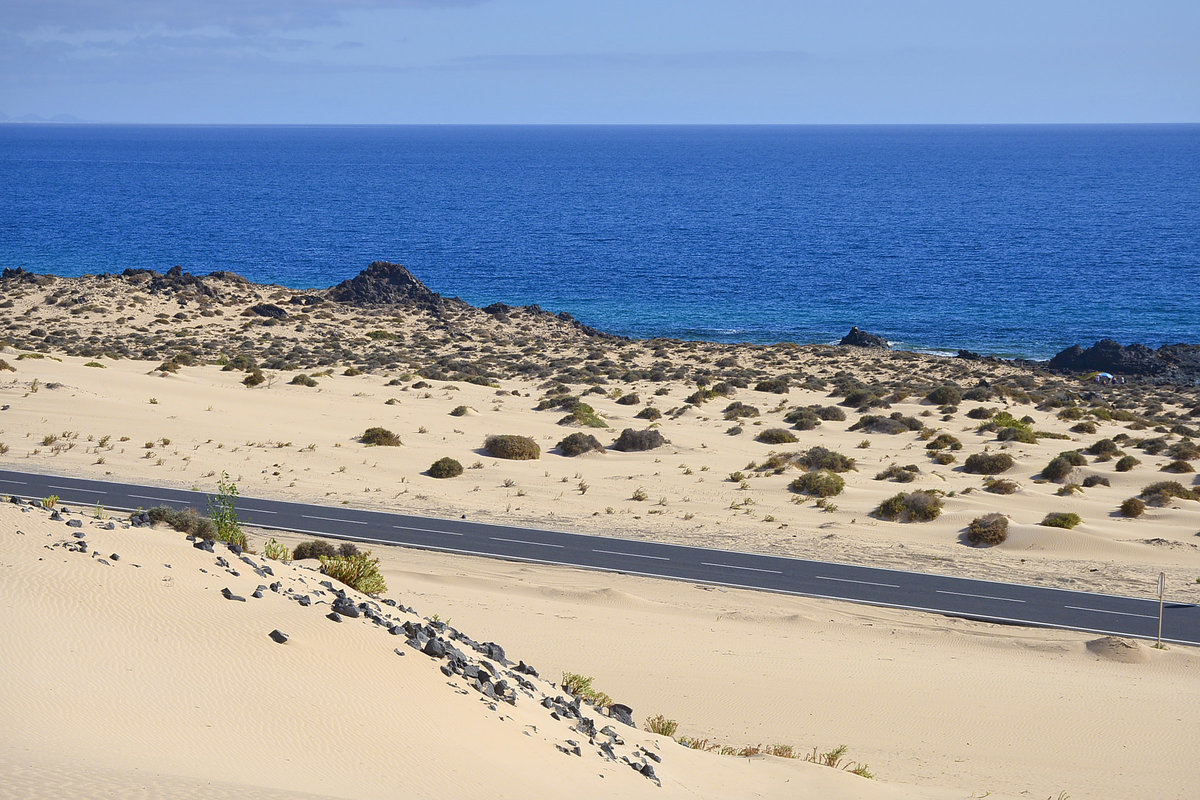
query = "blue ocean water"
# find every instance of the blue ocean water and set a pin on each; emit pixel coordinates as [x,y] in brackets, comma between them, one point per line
[1008,240]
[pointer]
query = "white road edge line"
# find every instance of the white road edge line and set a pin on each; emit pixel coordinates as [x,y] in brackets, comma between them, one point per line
[631,555]
[334,519]
[425,530]
[1121,613]
[848,580]
[74,489]
[18,483]
[160,499]
[523,541]
[735,566]
[981,596]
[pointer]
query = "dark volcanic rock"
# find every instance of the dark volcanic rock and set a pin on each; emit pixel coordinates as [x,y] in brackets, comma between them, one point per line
[171,281]
[622,713]
[383,283]
[279,636]
[265,310]
[1172,361]
[858,338]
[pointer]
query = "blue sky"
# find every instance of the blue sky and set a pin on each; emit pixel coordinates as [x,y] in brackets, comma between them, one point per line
[617,61]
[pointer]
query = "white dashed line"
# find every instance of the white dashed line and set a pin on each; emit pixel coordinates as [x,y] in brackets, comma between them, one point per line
[735,566]
[981,596]
[334,519]
[864,583]
[425,530]
[631,555]
[522,541]
[73,489]
[1121,613]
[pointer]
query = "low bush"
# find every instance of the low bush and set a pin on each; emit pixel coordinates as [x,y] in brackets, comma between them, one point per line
[319,547]
[990,530]
[1061,465]
[822,458]
[445,467]
[772,385]
[1061,519]
[943,457]
[633,441]
[945,396]
[1161,493]
[661,725]
[1132,507]
[944,441]
[988,463]
[830,413]
[919,506]
[1178,466]
[981,412]
[1021,435]
[1084,427]
[459,411]
[303,380]
[585,415]
[1104,447]
[1126,463]
[255,378]
[819,483]
[358,571]
[379,437]
[581,686]
[649,413]
[776,436]
[1001,486]
[579,443]
[277,551]
[898,474]
[890,425]
[802,419]
[185,520]
[737,410]
[512,447]
[1095,480]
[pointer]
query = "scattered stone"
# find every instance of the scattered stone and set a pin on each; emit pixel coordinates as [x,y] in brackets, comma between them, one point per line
[622,713]
[74,523]
[228,595]
[346,607]
[279,636]
[114,557]
[333,615]
[204,544]
[858,338]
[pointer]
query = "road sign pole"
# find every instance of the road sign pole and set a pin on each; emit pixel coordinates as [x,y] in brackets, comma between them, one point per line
[1162,589]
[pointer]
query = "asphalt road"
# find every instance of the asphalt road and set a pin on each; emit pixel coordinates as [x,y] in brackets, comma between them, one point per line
[941,594]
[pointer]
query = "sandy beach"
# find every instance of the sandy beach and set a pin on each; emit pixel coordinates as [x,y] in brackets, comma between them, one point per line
[124,389]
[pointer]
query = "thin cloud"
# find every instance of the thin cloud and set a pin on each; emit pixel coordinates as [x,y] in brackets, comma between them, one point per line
[233,15]
[713,59]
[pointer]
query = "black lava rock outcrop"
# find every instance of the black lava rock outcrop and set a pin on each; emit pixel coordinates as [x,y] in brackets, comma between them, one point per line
[857,338]
[383,283]
[1179,362]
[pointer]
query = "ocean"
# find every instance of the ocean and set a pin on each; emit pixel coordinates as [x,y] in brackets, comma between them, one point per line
[1004,240]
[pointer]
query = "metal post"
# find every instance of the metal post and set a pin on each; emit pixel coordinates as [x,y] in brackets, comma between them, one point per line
[1162,588]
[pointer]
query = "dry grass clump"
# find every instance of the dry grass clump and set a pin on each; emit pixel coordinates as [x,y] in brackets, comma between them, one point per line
[1132,507]
[1061,519]
[661,725]
[1095,480]
[512,447]
[358,571]
[379,437]
[581,686]
[459,411]
[1000,486]
[818,483]
[988,463]
[898,474]
[303,380]
[1178,466]
[922,505]
[989,530]
[445,467]
[823,458]
[776,436]
[635,441]
[277,551]
[579,443]
[185,520]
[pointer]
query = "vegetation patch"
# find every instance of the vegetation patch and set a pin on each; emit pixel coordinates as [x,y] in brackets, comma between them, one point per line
[1162,492]
[634,441]
[919,506]
[899,474]
[819,483]
[776,436]
[358,571]
[581,686]
[988,530]
[512,447]
[1061,519]
[303,380]
[988,463]
[445,467]
[1132,507]
[380,437]
[579,443]
[822,458]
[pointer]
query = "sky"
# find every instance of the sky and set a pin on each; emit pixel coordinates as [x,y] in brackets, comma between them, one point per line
[610,62]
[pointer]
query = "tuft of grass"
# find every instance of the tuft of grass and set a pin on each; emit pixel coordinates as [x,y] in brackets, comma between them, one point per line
[358,571]
[50,501]
[661,725]
[277,551]
[581,686]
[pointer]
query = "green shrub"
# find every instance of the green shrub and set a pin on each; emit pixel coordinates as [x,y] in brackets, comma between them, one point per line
[819,483]
[1061,465]
[990,530]
[898,474]
[459,411]
[1083,427]
[1161,493]
[988,463]
[737,410]
[630,399]
[981,412]
[830,413]
[352,372]
[1126,463]
[445,467]
[303,380]
[1095,480]
[891,425]
[1104,447]
[942,457]
[1061,519]
[585,415]
[945,396]
[512,447]
[918,506]
[943,441]
[822,458]
[633,441]
[1132,507]
[1178,466]
[581,686]
[1001,486]
[1017,435]
[277,551]
[380,437]
[649,413]
[579,443]
[775,436]
[255,378]
[661,725]
[358,571]
[773,385]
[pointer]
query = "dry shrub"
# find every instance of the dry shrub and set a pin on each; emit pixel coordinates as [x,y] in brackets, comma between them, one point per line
[379,437]
[512,447]
[634,441]
[990,530]
[988,463]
